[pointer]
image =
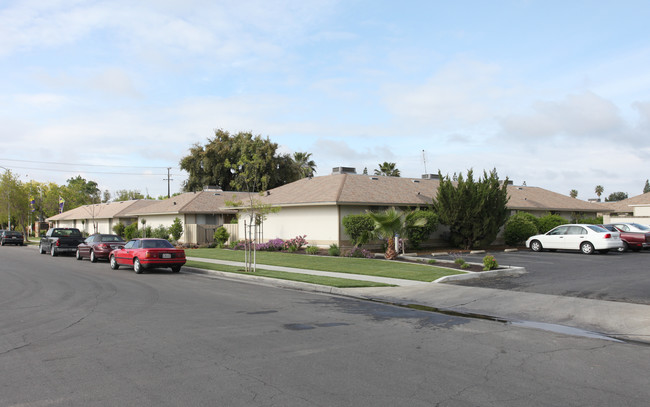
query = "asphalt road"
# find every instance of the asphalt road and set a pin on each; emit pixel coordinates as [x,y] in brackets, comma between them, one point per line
[613,276]
[80,334]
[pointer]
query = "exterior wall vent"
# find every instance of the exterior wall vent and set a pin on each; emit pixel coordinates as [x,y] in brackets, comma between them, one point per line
[344,170]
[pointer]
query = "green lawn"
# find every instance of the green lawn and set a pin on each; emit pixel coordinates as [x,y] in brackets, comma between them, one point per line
[283,275]
[370,267]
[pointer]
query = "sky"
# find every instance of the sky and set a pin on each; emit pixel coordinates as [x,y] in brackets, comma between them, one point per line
[553,94]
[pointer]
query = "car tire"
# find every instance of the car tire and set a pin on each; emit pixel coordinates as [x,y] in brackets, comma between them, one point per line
[77,255]
[93,259]
[536,246]
[176,269]
[623,248]
[40,249]
[587,248]
[137,266]
[53,251]
[114,264]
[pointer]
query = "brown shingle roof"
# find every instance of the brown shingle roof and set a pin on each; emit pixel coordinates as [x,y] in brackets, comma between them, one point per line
[626,205]
[191,202]
[101,211]
[354,189]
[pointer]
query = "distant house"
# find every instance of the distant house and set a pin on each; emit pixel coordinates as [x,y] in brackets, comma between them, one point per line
[201,213]
[634,209]
[316,206]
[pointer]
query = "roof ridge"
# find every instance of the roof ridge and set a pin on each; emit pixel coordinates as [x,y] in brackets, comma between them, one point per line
[340,190]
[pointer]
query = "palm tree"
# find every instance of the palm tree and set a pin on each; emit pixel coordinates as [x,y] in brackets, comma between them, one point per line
[387,169]
[599,191]
[573,193]
[390,223]
[306,167]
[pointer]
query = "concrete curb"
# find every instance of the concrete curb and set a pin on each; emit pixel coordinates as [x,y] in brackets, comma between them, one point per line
[509,271]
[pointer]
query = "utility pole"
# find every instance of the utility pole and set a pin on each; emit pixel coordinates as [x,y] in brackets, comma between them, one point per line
[168,179]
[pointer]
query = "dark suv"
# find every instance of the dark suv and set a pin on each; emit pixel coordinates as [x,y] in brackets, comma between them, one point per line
[11,237]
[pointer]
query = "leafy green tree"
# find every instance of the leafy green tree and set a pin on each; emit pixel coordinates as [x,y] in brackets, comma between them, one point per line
[520,227]
[646,188]
[176,229]
[131,231]
[219,162]
[358,227]
[80,192]
[387,169]
[473,210]
[573,193]
[13,202]
[127,195]
[306,166]
[616,196]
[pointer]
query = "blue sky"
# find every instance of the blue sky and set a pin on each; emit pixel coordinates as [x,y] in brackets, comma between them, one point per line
[551,93]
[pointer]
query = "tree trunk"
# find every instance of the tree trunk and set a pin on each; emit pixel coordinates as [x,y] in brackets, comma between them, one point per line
[391,254]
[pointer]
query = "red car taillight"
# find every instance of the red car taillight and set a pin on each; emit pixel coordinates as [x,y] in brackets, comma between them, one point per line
[608,236]
[149,255]
[58,243]
[103,246]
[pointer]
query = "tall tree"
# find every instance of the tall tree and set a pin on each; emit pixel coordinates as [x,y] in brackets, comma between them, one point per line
[599,190]
[127,195]
[218,162]
[646,188]
[80,192]
[573,193]
[306,166]
[387,169]
[616,196]
[473,210]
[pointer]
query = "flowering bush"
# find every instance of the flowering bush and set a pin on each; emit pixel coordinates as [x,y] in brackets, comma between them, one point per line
[294,244]
[489,263]
[274,245]
[360,253]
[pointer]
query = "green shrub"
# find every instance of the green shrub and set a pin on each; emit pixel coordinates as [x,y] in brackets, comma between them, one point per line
[358,227]
[489,263]
[118,228]
[131,231]
[311,249]
[465,265]
[418,234]
[176,229]
[221,236]
[549,221]
[160,232]
[592,221]
[460,261]
[334,250]
[432,261]
[518,228]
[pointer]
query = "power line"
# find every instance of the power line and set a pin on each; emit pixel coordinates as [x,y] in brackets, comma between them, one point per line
[82,165]
[89,172]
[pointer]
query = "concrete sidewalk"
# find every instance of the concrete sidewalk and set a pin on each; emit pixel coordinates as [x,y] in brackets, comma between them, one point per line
[616,319]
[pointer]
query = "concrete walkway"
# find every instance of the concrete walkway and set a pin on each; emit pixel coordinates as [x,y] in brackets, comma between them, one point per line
[616,319]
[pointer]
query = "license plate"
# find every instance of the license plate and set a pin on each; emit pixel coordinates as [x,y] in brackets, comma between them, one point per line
[166,256]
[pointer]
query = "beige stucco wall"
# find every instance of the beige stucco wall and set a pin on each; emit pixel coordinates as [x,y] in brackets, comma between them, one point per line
[319,223]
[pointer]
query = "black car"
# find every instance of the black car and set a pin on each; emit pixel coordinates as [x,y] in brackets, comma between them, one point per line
[11,237]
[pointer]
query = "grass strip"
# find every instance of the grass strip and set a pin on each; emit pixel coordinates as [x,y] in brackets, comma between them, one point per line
[283,275]
[369,267]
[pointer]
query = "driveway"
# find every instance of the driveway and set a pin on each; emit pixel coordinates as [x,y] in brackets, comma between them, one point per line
[613,277]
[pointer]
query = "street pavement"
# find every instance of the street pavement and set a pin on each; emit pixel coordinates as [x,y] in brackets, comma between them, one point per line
[570,315]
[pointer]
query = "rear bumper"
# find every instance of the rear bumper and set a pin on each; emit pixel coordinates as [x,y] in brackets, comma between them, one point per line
[153,263]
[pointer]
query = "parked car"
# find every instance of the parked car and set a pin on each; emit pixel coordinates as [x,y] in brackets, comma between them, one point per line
[632,240]
[11,237]
[60,240]
[147,253]
[99,246]
[583,237]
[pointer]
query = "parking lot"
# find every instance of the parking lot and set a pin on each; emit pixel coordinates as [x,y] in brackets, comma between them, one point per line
[613,277]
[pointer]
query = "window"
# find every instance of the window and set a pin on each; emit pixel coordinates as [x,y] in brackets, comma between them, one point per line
[576,230]
[560,230]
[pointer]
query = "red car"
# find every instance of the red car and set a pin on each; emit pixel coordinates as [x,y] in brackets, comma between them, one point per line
[98,247]
[634,236]
[142,254]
